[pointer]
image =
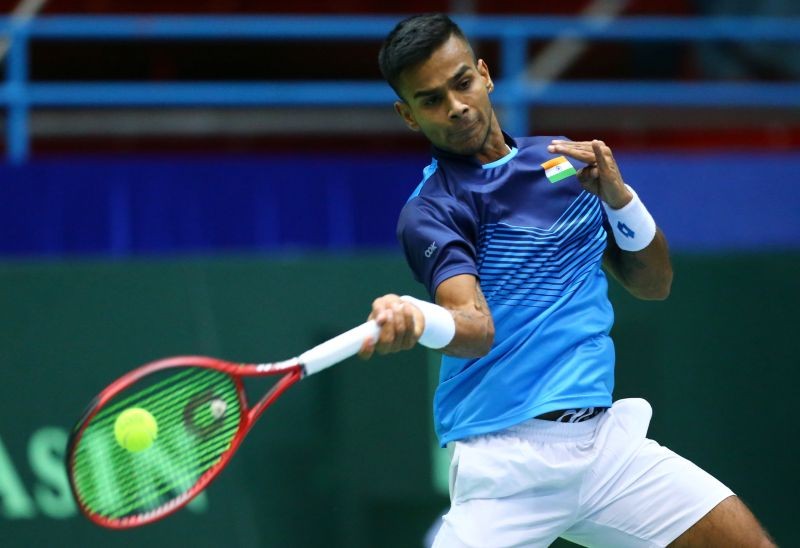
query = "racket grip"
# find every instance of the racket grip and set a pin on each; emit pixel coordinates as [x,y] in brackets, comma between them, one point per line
[338,348]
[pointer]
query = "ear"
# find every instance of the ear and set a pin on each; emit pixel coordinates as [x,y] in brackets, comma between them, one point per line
[483,71]
[402,108]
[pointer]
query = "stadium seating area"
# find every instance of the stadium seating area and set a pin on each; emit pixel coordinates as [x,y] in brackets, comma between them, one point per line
[256,60]
[352,6]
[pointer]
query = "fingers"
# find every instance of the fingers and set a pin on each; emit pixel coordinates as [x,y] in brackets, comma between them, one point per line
[367,349]
[404,327]
[387,338]
[398,330]
[400,323]
[603,157]
[582,151]
[588,174]
[590,152]
[598,156]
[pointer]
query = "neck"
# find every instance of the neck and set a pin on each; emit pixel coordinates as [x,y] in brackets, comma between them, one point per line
[495,146]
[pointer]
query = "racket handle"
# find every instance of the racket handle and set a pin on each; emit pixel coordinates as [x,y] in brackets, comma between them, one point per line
[338,348]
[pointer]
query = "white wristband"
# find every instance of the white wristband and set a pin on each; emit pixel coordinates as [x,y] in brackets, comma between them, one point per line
[440,327]
[633,226]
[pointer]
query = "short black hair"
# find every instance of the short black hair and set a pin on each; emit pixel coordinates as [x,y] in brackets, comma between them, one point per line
[413,41]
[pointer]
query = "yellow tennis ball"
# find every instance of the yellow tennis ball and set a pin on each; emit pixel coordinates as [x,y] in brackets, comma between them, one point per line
[135,429]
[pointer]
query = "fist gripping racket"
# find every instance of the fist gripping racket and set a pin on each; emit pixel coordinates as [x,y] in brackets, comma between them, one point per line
[158,435]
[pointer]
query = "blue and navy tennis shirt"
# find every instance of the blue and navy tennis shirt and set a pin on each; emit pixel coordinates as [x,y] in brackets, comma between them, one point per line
[536,248]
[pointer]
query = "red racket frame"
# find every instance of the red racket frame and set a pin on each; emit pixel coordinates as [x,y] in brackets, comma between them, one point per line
[292,370]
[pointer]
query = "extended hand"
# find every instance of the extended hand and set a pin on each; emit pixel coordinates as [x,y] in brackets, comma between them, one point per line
[601,176]
[401,326]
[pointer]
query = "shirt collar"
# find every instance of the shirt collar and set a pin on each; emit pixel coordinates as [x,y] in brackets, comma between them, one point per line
[440,154]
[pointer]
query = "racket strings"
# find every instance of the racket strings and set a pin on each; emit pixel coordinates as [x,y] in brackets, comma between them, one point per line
[154,496]
[171,465]
[183,473]
[111,410]
[197,411]
[181,478]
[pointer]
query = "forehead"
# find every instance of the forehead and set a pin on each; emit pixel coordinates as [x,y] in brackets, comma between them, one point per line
[442,65]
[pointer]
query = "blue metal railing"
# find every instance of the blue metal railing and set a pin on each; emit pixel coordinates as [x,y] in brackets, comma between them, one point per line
[514,92]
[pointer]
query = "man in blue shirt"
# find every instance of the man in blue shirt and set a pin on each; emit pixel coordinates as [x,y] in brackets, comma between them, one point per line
[509,235]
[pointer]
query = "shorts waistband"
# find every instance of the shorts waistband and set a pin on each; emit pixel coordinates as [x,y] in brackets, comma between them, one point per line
[571,415]
[554,430]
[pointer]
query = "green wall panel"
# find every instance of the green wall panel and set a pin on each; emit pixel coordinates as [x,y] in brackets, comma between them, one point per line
[344,458]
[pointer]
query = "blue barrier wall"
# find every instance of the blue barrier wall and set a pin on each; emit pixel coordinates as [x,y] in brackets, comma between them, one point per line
[123,206]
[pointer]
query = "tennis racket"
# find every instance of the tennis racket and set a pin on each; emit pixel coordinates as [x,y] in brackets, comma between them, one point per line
[202,415]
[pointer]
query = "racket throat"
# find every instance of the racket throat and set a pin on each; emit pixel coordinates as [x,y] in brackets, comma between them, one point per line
[278,367]
[277,389]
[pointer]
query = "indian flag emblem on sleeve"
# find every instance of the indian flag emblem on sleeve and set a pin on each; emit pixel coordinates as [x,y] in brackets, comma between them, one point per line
[558,169]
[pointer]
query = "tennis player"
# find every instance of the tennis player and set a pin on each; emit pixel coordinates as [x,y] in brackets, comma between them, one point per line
[509,235]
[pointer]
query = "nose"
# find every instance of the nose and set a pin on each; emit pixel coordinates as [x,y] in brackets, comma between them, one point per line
[457,109]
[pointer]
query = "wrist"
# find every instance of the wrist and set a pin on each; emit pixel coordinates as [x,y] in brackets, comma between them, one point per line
[621,197]
[440,327]
[632,225]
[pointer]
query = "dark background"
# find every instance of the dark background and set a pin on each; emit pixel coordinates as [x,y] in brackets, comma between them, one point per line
[346,458]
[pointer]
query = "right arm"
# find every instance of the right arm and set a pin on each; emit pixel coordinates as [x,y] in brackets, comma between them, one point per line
[462,296]
[402,323]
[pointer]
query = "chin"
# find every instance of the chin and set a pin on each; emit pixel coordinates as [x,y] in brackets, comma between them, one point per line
[472,146]
[468,148]
[469,151]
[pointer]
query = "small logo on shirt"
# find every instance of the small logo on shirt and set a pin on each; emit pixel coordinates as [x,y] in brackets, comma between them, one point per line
[431,250]
[625,230]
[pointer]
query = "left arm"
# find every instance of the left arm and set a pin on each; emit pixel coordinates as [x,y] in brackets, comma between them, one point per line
[646,273]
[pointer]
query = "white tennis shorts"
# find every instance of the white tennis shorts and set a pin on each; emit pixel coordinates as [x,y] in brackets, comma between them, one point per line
[600,482]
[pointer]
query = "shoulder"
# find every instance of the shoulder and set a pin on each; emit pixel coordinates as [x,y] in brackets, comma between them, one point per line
[433,198]
[435,214]
[537,144]
[427,208]
[430,180]
[537,141]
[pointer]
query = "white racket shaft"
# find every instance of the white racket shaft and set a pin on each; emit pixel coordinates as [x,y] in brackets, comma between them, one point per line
[338,348]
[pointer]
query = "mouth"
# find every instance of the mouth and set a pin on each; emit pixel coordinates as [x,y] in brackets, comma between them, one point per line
[463,133]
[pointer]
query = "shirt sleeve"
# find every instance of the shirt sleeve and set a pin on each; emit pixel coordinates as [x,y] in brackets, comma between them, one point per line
[438,241]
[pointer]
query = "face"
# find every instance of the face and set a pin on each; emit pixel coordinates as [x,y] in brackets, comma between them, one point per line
[447,99]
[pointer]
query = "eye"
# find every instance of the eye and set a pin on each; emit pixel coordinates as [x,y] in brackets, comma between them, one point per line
[430,101]
[465,83]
